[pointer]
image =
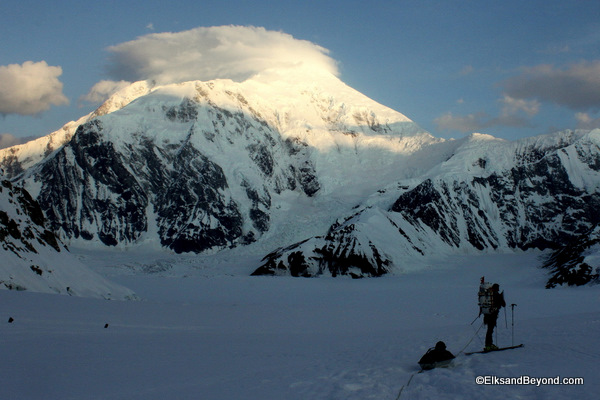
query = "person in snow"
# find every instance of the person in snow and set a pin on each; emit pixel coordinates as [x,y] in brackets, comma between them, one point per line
[436,356]
[490,316]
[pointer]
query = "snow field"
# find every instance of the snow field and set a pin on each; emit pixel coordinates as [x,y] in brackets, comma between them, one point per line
[213,336]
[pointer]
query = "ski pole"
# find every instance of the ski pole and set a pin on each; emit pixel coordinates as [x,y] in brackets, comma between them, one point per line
[496,332]
[505,322]
[476,318]
[512,322]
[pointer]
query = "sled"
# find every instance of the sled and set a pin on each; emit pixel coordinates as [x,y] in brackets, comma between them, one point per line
[438,364]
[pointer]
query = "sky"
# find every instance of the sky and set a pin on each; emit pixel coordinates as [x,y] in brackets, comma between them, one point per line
[511,69]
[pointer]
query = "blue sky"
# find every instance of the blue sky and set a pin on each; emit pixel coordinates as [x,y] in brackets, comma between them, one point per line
[508,68]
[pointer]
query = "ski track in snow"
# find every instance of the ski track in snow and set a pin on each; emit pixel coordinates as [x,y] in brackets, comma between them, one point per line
[238,337]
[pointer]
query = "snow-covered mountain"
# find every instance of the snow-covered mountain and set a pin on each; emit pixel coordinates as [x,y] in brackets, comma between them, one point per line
[205,166]
[297,165]
[489,195]
[34,259]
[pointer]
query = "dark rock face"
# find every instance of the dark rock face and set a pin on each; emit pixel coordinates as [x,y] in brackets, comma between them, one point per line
[193,213]
[332,259]
[295,266]
[261,203]
[98,187]
[185,112]
[25,230]
[345,254]
[340,253]
[35,259]
[303,171]
[522,209]
[422,204]
[11,165]
[87,190]
[568,265]
[93,190]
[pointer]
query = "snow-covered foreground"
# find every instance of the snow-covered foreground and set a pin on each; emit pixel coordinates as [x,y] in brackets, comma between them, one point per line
[237,337]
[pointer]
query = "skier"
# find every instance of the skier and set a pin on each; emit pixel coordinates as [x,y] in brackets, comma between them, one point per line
[490,315]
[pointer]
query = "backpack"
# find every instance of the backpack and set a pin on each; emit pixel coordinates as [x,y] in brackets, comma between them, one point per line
[486,298]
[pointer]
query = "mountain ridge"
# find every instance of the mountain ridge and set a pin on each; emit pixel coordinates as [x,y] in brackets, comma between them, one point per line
[296,165]
[543,198]
[16,159]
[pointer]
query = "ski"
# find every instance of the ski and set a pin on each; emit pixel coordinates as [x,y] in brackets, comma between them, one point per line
[498,349]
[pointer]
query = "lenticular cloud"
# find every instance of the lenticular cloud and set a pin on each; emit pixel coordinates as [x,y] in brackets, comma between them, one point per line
[232,52]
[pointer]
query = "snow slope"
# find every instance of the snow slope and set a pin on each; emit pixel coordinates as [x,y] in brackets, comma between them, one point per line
[218,337]
[34,259]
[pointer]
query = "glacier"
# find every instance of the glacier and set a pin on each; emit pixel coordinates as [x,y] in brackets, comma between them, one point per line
[240,337]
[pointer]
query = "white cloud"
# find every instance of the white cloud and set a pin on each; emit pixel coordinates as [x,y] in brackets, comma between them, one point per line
[467,70]
[461,123]
[9,140]
[477,122]
[585,121]
[233,52]
[510,115]
[30,88]
[576,87]
[556,49]
[103,90]
[513,106]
